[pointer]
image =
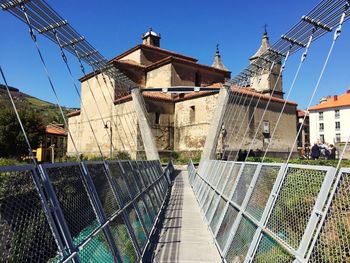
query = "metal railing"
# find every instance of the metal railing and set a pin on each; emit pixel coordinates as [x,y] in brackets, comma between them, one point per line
[259,212]
[80,212]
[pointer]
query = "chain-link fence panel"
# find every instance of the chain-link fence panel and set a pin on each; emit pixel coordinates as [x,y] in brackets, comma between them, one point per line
[270,251]
[143,211]
[225,174]
[137,227]
[137,175]
[103,188]
[130,179]
[97,250]
[333,243]
[217,214]
[226,226]
[294,203]
[25,235]
[122,239]
[243,183]
[208,199]
[231,179]
[154,199]
[263,187]
[150,206]
[118,179]
[241,241]
[212,206]
[74,200]
[218,174]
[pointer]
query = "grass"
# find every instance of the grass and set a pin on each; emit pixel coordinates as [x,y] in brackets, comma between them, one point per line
[334,163]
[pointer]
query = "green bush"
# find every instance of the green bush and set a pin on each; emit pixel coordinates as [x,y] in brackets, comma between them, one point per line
[8,162]
[122,155]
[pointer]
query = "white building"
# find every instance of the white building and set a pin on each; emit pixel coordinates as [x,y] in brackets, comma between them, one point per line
[330,119]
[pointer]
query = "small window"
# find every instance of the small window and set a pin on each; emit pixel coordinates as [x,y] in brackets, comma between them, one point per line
[192,114]
[321,127]
[337,125]
[337,114]
[157,120]
[322,138]
[320,116]
[337,137]
[198,79]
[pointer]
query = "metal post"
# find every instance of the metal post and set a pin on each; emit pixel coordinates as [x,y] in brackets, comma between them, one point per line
[145,127]
[215,127]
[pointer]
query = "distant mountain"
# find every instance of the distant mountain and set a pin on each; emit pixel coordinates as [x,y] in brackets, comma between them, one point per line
[49,111]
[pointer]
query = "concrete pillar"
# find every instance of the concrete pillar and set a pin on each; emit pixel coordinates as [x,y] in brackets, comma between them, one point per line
[145,127]
[215,126]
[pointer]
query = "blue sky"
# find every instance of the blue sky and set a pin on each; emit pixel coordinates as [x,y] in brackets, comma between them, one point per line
[192,28]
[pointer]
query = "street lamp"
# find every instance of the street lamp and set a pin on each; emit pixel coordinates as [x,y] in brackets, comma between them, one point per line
[111,142]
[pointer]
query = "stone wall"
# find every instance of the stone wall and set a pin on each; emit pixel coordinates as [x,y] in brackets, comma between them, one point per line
[240,136]
[192,124]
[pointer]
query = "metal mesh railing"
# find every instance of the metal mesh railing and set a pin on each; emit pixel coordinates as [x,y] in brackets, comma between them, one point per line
[80,212]
[25,235]
[260,212]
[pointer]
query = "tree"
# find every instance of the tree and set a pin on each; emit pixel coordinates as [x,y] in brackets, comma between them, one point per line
[12,141]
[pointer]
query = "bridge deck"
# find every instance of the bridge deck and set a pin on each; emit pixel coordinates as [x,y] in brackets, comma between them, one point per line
[184,236]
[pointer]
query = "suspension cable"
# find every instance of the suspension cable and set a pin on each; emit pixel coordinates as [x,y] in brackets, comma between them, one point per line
[82,69]
[268,102]
[33,37]
[336,35]
[30,150]
[65,60]
[302,59]
[235,137]
[252,117]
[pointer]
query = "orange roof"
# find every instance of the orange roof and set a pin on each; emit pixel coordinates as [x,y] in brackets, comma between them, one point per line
[334,102]
[73,113]
[255,94]
[301,113]
[55,129]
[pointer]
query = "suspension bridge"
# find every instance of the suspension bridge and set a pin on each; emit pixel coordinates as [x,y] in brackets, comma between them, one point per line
[227,209]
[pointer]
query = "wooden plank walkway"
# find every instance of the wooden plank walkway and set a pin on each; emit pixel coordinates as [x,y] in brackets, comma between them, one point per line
[184,237]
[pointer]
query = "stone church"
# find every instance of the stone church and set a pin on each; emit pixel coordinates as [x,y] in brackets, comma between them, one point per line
[179,121]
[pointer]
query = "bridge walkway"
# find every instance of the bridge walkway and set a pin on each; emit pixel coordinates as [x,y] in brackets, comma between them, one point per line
[184,236]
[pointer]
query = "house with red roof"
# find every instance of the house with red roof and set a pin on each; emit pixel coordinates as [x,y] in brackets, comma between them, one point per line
[329,120]
[179,121]
[53,145]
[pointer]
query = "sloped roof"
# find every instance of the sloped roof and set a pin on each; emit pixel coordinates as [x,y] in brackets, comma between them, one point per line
[255,94]
[339,101]
[158,49]
[55,129]
[301,113]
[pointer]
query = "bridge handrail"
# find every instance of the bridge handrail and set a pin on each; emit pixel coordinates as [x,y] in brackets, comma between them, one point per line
[106,211]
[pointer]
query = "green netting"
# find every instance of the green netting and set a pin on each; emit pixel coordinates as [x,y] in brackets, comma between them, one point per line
[97,250]
[85,233]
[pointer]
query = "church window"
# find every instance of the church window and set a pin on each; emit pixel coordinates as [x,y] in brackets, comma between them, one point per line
[157,120]
[192,114]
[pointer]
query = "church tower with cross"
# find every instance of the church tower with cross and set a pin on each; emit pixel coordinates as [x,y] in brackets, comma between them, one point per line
[264,81]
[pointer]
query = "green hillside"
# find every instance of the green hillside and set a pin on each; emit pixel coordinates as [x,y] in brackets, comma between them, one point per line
[49,111]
